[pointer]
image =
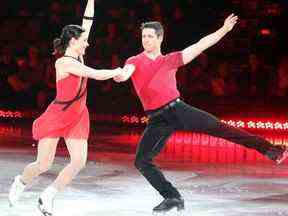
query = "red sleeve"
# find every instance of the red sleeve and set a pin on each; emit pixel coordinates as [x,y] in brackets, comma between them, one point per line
[174,59]
[131,60]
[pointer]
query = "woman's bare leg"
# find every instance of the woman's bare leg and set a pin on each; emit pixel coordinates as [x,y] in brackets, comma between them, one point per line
[78,156]
[45,157]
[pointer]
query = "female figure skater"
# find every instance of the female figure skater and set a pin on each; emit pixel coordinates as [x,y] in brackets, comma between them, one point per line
[67,116]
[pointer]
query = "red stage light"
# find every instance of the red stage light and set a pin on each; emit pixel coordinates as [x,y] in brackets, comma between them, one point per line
[231,123]
[254,124]
[260,125]
[269,125]
[10,114]
[265,32]
[144,120]
[134,119]
[251,124]
[240,124]
[285,125]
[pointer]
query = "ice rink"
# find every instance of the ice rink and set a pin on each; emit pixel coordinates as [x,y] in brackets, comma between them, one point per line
[111,186]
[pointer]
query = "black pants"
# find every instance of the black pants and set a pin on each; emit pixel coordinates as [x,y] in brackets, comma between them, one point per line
[181,116]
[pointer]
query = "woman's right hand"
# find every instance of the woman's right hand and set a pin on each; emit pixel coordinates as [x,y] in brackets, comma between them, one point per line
[118,71]
[125,74]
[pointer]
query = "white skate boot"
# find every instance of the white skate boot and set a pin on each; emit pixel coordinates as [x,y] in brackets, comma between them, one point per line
[16,190]
[46,201]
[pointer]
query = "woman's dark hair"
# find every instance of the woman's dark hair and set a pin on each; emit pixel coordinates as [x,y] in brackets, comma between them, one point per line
[68,32]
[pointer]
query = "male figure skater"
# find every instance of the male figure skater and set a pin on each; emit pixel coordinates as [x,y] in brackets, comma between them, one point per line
[153,77]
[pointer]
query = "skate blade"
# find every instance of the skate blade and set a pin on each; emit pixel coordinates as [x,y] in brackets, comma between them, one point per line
[43,211]
[12,205]
[172,212]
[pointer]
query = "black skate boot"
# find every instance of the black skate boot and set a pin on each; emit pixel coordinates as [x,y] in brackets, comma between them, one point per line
[277,155]
[168,204]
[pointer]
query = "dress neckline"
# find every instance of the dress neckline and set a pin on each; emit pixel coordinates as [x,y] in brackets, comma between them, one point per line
[77,59]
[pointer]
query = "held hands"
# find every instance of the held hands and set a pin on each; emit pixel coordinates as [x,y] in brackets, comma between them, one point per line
[117,79]
[120,71]
[125,73]
[230,22]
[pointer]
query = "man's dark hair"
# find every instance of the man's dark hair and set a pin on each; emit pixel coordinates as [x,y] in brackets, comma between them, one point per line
[157,26]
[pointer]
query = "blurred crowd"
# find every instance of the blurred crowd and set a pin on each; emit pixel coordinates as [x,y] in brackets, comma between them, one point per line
[249,63]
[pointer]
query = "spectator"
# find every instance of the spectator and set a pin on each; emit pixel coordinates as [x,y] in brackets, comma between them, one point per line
[7,68]
[198,83]
[223,83]
[282,77]
[28,80]
[48,90]
[255,79]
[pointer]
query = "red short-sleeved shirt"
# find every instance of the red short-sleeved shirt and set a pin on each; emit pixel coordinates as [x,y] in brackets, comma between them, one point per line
[155,80]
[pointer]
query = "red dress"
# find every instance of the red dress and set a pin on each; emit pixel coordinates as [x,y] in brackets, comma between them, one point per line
[67,116]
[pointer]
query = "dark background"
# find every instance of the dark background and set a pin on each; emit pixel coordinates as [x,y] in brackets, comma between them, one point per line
[247,70]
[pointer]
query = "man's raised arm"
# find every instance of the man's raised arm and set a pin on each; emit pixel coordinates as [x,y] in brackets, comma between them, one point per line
[196,49]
